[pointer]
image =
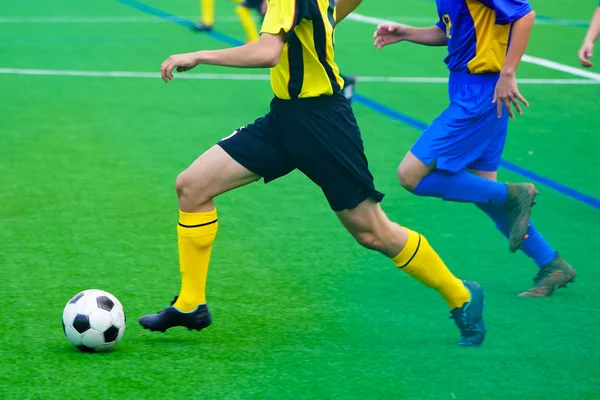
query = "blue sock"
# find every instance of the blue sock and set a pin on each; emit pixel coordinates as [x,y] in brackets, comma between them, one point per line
[462,187]
[535,246]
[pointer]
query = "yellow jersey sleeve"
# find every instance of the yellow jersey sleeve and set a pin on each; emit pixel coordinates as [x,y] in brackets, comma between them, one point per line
[282,15]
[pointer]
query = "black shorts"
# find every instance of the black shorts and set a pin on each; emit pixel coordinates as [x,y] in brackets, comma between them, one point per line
[320,137]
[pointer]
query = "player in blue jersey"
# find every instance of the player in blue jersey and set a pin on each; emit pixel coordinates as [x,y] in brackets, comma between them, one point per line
[587,48]
[457,156]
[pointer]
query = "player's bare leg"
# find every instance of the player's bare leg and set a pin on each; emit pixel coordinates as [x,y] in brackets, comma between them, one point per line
[411,252]
[372,229]
[518,198]
[212,174]
[554,274]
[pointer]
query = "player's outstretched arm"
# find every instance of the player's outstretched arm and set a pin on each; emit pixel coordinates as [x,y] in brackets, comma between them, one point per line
[387,34]
[587,48]
[344,7]
[264,53]
[507,92]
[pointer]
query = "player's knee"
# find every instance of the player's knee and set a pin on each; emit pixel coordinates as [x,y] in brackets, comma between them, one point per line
[408,180]
[189,191]
[182,185]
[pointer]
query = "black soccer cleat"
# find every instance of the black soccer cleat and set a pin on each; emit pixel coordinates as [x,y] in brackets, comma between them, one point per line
[171,317]
[469,317]
[519,201]
[200,27]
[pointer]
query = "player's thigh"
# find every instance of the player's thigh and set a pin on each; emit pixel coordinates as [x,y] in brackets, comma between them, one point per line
[256,147]
[213,173]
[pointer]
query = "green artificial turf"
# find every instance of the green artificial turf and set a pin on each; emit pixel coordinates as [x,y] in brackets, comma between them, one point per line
[87,170]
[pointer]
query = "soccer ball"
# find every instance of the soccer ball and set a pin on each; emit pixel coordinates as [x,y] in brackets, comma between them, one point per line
[93,320]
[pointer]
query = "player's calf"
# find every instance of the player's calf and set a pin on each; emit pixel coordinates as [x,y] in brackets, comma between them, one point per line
[375,240]
[368,240]
[412,254]
[371,228]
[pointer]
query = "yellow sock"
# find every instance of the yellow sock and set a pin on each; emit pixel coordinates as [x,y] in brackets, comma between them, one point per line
[419,260]
[196,233]
[248,23]
[207,7]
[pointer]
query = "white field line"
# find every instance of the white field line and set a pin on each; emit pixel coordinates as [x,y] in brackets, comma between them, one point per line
[542,62]
[98,20]
[130,74]
[138,19]
[262,77]
[399,79]
[376,21]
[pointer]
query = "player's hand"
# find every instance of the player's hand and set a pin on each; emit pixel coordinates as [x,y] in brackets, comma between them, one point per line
[585,53]
[506,93]
[388,34]
[181,62]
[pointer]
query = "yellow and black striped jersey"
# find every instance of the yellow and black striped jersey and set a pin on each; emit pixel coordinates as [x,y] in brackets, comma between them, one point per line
[306,67]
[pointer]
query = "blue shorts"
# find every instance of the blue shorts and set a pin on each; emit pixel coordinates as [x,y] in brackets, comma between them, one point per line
[468,134]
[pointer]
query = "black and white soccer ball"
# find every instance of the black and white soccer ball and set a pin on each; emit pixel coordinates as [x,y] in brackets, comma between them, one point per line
[93,320]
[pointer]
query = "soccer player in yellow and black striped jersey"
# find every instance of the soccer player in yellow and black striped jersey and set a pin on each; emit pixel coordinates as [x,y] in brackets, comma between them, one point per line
[244,12]
[310,127]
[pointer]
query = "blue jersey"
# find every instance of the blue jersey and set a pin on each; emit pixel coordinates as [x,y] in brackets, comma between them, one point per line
[478,32]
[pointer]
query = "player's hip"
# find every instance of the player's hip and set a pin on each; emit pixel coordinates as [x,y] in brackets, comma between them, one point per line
[459,137]
[474,92]
[321,114]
